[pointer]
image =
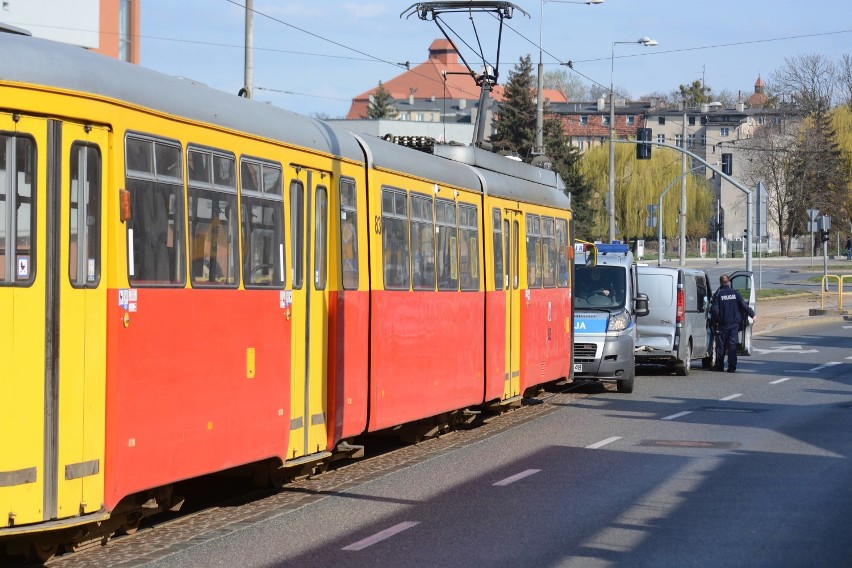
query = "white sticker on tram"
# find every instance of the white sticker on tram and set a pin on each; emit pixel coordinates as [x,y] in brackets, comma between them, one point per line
[516,477]
[678,415]
[380,536]
[603,443]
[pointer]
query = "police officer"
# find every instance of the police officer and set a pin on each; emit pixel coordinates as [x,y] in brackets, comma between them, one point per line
[727,309]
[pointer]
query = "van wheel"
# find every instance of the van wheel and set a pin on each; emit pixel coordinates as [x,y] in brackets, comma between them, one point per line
[626,385]
[684,366]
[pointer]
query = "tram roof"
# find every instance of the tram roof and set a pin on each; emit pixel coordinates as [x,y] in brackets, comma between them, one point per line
[43,62]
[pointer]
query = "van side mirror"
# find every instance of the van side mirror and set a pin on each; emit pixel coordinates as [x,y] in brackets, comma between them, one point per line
[640,305]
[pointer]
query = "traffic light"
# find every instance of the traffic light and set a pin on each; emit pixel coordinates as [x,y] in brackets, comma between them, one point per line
[727,164]
[643,151]
[823,236]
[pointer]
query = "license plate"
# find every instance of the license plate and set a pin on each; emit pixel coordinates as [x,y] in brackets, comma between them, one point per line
[578,367]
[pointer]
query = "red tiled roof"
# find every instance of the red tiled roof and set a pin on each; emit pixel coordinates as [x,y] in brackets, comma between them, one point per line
[427,79]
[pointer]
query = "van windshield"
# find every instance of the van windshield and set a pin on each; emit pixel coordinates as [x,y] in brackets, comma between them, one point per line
[599,287]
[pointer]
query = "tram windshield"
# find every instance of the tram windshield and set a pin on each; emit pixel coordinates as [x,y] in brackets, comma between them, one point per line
[599,286]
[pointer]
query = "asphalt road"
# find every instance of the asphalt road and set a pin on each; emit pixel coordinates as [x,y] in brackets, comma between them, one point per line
[715,469]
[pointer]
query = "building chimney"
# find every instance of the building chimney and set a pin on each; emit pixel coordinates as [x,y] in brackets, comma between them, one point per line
[740,107]
[411,99]
[601,104]
[462,104]
[432,98]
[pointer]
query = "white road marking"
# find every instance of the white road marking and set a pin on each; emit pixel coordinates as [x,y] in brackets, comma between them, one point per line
[732,397]
[380,536]
[516,477]
[779,381]
[785,349]
[815,369]
[678,415]
[847,327]
[603,443]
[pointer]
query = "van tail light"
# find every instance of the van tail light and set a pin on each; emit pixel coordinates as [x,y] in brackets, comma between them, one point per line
[679,313]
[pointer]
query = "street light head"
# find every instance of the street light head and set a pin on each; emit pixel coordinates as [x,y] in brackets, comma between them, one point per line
[646,41]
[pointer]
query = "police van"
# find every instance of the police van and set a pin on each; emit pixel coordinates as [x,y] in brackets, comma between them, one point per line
[606,305]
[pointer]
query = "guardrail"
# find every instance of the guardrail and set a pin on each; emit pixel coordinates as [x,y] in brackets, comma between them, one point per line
[841,286]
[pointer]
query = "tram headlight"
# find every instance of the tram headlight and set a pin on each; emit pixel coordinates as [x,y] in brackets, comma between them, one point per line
[618,321]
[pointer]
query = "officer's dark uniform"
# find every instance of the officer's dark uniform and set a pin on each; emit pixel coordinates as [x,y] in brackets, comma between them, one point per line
[727,309]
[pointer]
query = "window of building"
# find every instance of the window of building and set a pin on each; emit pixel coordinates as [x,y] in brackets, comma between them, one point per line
[690,140]
[213,220]
[631,120]
[262,201]
[679,140]
[17,210]
[703,140]
[422,242]
[84,223]
[661,120]
[395,239]
[584,119]
[761,120]
[348,234]
[155,230]
[605,120]
[661,138]
[724,132]
[691,120]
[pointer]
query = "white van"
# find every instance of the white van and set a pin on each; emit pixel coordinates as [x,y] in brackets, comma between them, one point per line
[677,327]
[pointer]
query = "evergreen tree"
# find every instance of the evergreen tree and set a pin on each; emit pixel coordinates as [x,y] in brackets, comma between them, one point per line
[381,105]
[565,159]
[514,121]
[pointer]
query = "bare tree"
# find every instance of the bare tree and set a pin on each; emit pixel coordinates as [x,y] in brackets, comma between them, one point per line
[844,80]
[807,82]
[571,86]
[770,157]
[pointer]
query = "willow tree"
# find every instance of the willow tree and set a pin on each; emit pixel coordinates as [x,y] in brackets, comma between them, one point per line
[639,183]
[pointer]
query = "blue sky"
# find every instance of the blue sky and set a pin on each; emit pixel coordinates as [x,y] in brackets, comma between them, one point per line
[314,56]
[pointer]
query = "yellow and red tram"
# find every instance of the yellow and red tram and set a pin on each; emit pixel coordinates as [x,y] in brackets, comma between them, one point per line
[191,281]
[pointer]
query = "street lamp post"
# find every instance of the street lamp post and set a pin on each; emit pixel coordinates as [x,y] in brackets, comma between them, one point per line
[646,41]
[539,110]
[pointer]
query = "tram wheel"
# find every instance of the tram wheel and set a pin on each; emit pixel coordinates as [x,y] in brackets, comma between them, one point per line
[43,551]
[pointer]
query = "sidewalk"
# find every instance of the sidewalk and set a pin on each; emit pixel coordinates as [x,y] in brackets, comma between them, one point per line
[779,312]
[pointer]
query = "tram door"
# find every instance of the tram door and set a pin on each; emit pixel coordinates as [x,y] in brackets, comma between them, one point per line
[309,219]
[511,239]
[82,315]
[52,337]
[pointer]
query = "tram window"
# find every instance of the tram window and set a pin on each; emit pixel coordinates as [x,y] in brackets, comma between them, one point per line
[533,251]
[262,210]
[213,219]
[17,210]
[511,256]
[497,242]
[548,253]
[562,271]
[447,231]
[348,234]
[155,241]
[422,243]
[320,238]
[84,242]
[468,247]
[395,239]
[297,231]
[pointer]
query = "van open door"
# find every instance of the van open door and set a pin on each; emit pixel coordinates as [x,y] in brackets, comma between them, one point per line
[743,282]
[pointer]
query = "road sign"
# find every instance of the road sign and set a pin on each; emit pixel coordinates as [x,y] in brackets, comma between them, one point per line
[812,214]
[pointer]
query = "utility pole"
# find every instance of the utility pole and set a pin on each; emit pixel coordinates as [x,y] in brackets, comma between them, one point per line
[249,61]
[682,227]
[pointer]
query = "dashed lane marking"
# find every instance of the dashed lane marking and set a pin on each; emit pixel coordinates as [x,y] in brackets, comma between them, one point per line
[678,415]
[815,369]
[779,381]
[603,443]
[380,536]
[732,397]
[516,477]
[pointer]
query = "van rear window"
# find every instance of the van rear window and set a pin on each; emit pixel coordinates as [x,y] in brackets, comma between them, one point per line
[659,289]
